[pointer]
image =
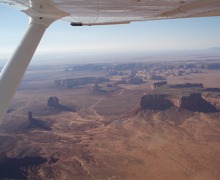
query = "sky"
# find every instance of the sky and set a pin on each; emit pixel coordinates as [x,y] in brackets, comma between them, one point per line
[64,41]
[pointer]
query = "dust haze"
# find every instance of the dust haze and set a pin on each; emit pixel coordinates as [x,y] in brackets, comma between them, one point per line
[111,121]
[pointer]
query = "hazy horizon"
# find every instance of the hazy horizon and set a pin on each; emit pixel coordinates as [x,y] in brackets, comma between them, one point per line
[122,57]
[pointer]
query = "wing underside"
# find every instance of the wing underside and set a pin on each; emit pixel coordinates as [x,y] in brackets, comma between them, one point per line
[100,12]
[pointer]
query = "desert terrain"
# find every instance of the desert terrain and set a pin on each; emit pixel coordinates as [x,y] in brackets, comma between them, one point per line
[133,121]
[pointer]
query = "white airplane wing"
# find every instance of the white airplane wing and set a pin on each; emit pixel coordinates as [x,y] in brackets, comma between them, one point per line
[99,12]
[87,12]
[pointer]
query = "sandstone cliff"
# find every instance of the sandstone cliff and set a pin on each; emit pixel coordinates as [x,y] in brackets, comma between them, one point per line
[192,102]
[189,96]
[76,82]
[195,102]
[214,100]
[156,102]
[187,85]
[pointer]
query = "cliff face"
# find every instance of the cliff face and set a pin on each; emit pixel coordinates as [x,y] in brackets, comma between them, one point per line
[192,102]
[195,102]
[187,85]
[156,102]
[214,100]
[75,82]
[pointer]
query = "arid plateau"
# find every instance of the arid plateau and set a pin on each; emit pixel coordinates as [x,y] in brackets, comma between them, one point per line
[133,121]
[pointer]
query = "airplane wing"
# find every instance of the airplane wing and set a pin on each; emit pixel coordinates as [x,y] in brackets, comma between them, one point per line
[87,12]
[100,12]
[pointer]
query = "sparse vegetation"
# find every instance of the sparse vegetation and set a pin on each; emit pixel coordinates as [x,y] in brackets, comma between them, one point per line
[80,133]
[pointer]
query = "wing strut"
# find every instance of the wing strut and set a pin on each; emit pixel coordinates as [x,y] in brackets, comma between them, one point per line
[15,68]
[42,13]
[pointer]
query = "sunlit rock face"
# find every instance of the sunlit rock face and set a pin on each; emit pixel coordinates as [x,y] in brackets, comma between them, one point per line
[214,100]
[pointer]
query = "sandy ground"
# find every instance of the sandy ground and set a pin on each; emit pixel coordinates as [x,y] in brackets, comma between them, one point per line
[106,139]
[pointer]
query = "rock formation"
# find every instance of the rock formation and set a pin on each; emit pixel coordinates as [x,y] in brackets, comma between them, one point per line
[75,82]
[187,85]
[53,101]
[192,102]
[158,84]
[136,80]
[156,102]
[195,102]
[213,99]
[212,89]
[30,116]
[106,89]
[36,123]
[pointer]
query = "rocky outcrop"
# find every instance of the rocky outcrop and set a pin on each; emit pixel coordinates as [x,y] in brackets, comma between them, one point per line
[107,89]
[192,102]
[158,84]
[53,101]
[187,85]
[214,100]
[195,102]
[75,82]
[136,80]
[156,102]
[211,90]
[34,123]
[30,116]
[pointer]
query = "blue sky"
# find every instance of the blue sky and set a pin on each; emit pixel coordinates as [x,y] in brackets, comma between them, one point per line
[62,39]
